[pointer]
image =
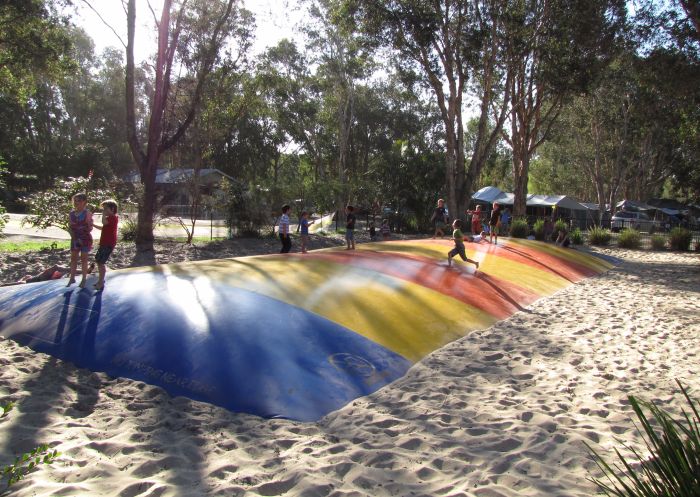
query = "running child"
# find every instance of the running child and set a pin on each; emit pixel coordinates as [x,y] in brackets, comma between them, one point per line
[459,245]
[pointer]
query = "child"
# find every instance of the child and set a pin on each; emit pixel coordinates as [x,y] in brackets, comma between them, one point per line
[80,222]
[459,245]
[481,237]
[439,218]
[350,227]
[494,223]
[372,232]
[476,220]
[386,231]
[284,230]
[108,239]
[304,230]
[505,221]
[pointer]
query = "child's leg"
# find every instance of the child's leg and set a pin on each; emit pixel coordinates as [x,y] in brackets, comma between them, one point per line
[73,266]
[464,257]
[451,254]
[101,271]
[83,267]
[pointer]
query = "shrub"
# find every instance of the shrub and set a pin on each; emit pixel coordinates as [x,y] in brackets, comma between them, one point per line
[127,227]
[560,225]
[658,242]
[630,239]
[519,228]
[576,236]
[680,239]
[599,236]
[538,229]
[28,461]
[673,468]
[51,207]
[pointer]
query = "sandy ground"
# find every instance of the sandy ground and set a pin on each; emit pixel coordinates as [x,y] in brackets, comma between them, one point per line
[504,411]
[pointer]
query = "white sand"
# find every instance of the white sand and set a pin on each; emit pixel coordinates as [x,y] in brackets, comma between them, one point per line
[502,412]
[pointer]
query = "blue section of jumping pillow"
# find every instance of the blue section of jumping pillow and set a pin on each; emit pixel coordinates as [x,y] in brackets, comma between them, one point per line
[204,340]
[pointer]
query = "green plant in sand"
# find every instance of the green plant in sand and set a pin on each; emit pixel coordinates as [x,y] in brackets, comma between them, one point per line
[576,236]
[519,228]
[658,242]
[672,468]
[599,236]
[680,238]
[538,229]
[630,239]
[29,460]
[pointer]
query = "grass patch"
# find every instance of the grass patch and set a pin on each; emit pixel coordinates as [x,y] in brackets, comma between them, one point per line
[33,245]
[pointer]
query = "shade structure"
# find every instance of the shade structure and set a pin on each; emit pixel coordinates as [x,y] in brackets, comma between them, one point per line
[294,336]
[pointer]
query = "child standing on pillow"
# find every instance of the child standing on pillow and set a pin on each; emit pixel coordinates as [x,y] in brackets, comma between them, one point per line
[80,225]
[108,239]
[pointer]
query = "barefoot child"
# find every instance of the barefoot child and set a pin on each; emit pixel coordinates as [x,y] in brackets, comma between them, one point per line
[305,230]
[80,222]
[350,227]
[285,237]
[459,244]
[481,237]
[108,239]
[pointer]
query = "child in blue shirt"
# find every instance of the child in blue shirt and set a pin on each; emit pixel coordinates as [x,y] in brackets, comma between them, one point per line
[304,223]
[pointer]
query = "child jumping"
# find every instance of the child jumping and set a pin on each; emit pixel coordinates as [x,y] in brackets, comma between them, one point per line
[108,239]
[459,245]
[80,223]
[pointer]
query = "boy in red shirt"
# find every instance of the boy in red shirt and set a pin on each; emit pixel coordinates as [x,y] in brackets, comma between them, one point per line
[108,239]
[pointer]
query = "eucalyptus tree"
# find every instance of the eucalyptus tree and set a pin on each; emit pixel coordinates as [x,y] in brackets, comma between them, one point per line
[555,49]
[294,95]
[447,42]
[35,45]
[342,62]
[191,39]
[56,130]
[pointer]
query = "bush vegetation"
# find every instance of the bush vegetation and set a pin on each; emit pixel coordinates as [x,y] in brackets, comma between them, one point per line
[599,236]
[29,460]
[560,225]
[51,207]
[630,239]
[538,229]
[673,466]
[519,228]
[658,242]
[576,236]
[679,239]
